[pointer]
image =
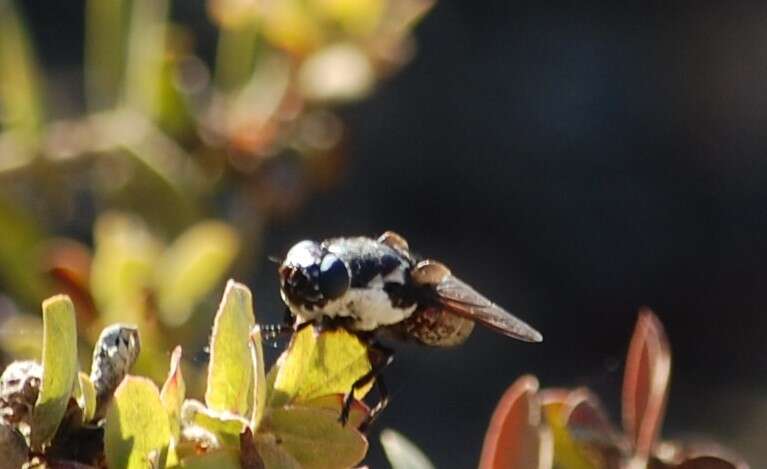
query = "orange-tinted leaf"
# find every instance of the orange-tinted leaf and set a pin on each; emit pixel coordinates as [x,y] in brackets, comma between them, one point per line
[706,462]
[645,384]
[173,392]
[514,439]
[68,263]
[571,450]
[589,424]
[585,418]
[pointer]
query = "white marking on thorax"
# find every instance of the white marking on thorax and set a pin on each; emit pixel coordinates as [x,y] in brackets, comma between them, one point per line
[370,306]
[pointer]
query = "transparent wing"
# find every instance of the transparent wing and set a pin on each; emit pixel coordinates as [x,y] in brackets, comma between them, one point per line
[461,299]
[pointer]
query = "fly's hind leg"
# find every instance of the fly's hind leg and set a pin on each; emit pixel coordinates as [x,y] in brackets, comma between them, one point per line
[380,358]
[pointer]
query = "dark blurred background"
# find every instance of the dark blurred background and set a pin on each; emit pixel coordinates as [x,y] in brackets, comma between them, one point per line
[574,162]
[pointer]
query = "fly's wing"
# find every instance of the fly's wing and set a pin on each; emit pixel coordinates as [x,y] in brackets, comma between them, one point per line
[459,298]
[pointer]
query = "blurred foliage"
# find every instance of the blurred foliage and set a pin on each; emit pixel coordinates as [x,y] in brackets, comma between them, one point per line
[569,429]
[162,140]
[167,134]
[131,275]
[148,427]
[402,453]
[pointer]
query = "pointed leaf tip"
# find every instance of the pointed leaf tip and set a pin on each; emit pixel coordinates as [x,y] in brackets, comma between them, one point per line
[173,392]
[646,381]
[514,437]
[230,372]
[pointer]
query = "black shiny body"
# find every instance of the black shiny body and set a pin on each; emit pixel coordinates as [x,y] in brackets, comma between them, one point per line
[371,286]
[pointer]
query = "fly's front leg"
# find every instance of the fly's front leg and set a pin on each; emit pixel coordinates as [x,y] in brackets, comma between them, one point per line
[380,358]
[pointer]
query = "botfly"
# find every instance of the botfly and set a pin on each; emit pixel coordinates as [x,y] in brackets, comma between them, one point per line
[378,287]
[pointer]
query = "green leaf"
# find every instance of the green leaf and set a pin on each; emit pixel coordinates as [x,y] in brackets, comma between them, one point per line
[173,393]
[59,368]
[137,432]
[316,365]
[21,336]
[230,372]
[224,425]
[271,377]
[122,267]
[20,96]
[20,250]
[225,458]
[260,383]
[146,55]
[275,456]
[191,267]
[236,55]
[315,438]
[358,412]
[87,396]
[402,453]
[104,51]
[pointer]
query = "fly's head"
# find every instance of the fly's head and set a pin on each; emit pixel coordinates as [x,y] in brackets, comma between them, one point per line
[310,276]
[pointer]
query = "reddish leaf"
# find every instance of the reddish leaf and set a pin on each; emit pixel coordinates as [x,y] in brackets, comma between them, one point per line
[514,439]
[249,457]
[585,416]
[645,384]
[706,462]
[589,427]
[68,263]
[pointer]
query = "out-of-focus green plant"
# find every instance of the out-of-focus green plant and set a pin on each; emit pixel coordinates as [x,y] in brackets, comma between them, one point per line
[20,92]
[133,276]
[568,429]
[164,134]
[286,419]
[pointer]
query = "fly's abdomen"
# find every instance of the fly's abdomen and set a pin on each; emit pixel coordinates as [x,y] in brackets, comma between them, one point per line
[437,327]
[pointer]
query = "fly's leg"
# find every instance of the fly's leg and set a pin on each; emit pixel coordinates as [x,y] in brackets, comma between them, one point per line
[383,392]
[380,358]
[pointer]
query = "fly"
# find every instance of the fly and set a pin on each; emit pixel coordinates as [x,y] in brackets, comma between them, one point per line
[375,287]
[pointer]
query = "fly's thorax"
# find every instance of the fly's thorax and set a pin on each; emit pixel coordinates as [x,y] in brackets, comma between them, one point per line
[367,309]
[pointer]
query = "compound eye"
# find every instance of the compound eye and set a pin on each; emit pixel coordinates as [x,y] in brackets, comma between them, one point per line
[334,277]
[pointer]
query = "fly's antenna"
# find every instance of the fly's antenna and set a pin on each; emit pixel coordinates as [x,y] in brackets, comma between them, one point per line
[276,259]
